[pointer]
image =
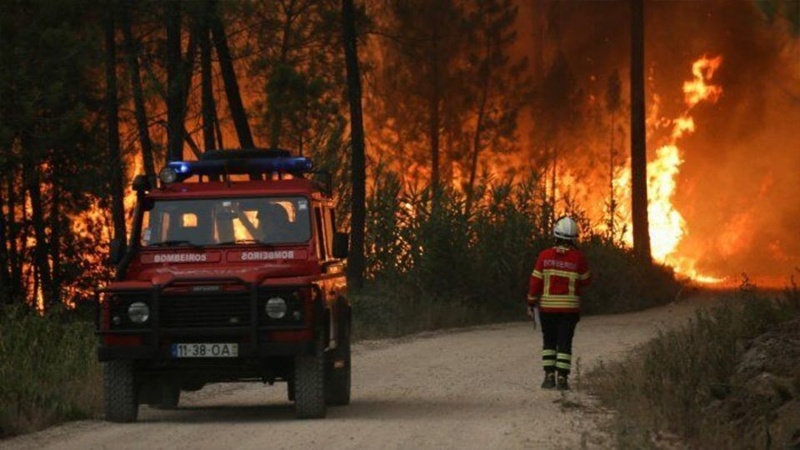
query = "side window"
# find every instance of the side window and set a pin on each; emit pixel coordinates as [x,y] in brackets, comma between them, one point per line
[319,229]
[329,232]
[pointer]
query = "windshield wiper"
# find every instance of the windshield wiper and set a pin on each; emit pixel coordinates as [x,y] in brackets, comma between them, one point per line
[175,243]
[244,241]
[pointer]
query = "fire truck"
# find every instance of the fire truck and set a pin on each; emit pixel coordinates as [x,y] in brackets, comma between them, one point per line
[234,272]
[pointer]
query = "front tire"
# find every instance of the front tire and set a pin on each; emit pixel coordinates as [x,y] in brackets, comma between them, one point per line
[309,386]
[121,402]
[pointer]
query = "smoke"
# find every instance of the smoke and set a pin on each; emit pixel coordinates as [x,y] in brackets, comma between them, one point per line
[738,183]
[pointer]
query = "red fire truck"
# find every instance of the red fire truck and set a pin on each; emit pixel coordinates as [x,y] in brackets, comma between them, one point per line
[234,271]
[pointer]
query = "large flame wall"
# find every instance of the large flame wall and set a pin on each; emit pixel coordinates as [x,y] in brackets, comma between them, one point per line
[723,98]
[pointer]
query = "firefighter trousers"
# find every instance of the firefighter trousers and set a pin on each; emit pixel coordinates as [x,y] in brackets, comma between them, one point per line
[557,332]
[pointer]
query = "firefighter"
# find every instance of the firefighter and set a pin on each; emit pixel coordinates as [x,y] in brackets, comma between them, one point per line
[560,274]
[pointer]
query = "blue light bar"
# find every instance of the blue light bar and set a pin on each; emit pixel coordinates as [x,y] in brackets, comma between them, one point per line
[186,169]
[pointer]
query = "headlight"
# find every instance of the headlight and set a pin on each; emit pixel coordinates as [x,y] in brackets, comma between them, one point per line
[275,308]
[138,312]
[168,175]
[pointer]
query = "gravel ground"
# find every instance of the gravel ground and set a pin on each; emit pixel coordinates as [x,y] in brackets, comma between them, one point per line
[468,388]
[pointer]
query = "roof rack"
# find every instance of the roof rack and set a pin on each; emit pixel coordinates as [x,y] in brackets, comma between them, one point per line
[245,153]
[221,163]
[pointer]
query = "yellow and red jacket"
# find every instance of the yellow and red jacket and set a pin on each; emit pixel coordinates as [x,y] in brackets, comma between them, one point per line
[557,280]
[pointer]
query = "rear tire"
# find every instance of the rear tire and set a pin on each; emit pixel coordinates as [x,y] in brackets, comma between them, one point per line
[121,403]
[309,385]
[290,389]
[339,378]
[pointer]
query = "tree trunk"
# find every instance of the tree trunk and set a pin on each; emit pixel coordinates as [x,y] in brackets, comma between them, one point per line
[434,101]
[55,241]
[612,198]
[112,125]
[356,260]
[231,85]
[188,72]
[641,233]
[276,110]
[554,176]
[13,231]
[174,82]
[5,268]
[142,128]
[208,104]
[41,265]
[434,140]
[476,142]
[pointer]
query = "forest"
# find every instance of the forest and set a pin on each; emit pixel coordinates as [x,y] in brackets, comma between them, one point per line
[457,132]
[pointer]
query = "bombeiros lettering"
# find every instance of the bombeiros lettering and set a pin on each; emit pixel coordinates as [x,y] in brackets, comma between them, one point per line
[261,256]
[558,264]
[180,257]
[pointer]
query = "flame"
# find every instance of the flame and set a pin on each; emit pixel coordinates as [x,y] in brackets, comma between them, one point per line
[697,90]
[667,225]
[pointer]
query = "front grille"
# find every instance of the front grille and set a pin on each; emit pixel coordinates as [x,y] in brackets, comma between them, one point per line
[205,310]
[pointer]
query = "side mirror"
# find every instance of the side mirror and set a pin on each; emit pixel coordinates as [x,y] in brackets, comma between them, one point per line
[341,245]
[141,184]
[117,251]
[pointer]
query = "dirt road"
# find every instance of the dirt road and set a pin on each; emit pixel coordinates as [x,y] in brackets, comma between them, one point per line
[473,388]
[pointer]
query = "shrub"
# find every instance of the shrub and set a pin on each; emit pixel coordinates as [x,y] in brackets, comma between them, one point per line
[48,371]
[622,282]
[431,262]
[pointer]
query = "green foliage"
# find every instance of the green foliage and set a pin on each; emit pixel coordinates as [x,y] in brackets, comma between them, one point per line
[298,55]
[51,144]
[48,371]
[621,282]
[432,265]
[673,382]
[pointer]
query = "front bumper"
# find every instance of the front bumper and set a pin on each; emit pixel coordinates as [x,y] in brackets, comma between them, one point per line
[149,352]
[255,339]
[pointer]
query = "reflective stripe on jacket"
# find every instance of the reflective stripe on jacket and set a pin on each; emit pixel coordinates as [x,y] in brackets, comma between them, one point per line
[558,278]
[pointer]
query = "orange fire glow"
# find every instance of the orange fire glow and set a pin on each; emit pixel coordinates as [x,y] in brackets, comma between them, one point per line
[667,225]
[697,90]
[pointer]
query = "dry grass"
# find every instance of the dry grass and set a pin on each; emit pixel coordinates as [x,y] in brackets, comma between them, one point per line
[674,385]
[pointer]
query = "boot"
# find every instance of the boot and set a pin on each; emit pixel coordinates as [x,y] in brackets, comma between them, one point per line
[562,384]
[549,380]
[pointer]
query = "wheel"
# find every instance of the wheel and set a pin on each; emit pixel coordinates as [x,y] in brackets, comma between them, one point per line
[337,367]
[309,385]
[170,395]
[290,389]
[121,403]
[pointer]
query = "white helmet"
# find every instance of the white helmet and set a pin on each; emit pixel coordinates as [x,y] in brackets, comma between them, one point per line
[566,228]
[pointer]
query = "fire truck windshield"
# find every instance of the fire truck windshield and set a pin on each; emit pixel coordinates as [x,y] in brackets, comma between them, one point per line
[227,221]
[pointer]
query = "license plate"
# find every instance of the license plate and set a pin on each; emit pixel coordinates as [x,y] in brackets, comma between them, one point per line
[205,350]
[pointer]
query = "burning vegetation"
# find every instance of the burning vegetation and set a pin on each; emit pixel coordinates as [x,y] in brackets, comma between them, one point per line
[468,104]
